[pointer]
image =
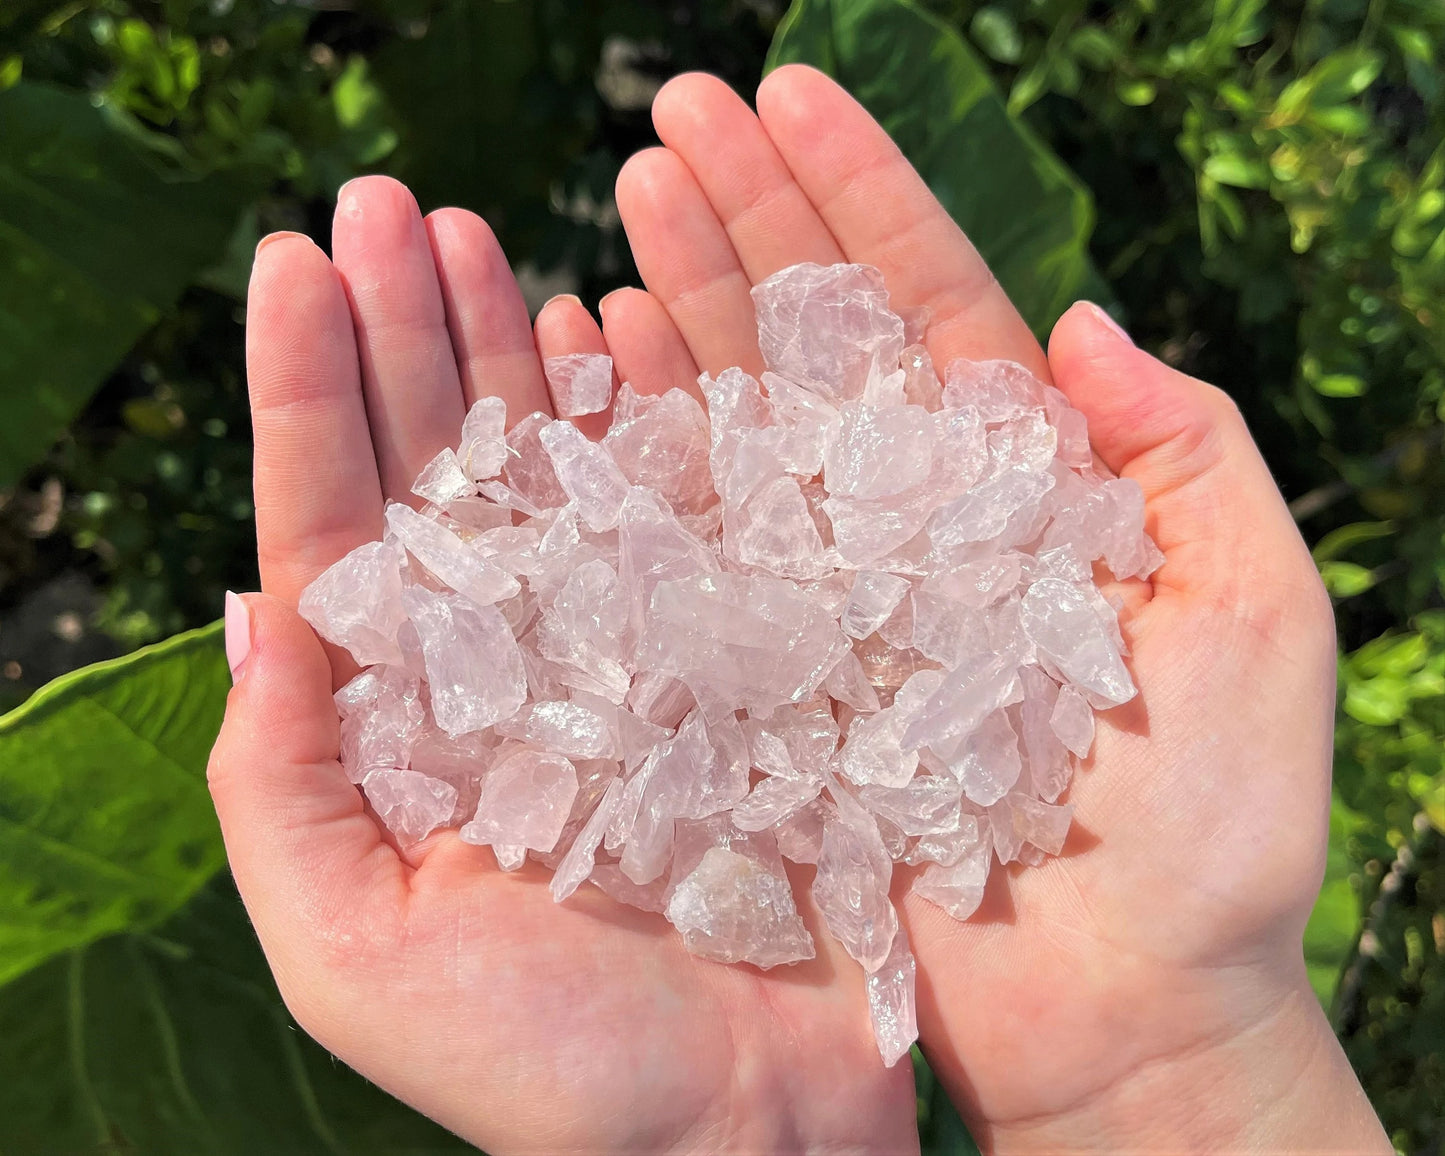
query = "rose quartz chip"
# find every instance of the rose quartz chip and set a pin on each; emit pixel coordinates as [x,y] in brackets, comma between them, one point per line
[580,383]
[844,616]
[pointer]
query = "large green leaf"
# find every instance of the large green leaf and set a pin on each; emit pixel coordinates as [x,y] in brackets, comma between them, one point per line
[96,242]
[1028,215]
[176,1042]
[105,821]
[1335,921]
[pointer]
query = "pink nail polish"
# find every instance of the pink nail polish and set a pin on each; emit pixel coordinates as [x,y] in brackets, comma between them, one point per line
[1102,314]
[238,634]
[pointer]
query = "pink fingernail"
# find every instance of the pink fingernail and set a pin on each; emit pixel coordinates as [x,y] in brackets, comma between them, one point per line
[1103,315]
[279,235]
[238,634]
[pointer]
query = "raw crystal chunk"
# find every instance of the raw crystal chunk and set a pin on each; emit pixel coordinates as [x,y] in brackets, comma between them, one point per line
[442,480]
[410,804]
[581,857]
[483,449]
[875,595]
[580,383]
[760,639]
[845,617]
[733,910]
[827,326]
[587,473]
[1072,630]
[851,887]
[473,665]
[381,720]
[449,558]
[525,801]
[891,1002]
[356,603]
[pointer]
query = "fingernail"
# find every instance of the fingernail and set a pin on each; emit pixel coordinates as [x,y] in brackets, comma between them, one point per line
[281,235]
[1103,315]
[238,634]
[564,297]
[601,305]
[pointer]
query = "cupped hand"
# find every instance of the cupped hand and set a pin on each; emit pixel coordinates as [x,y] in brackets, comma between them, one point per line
[521,1024]
[1146,990]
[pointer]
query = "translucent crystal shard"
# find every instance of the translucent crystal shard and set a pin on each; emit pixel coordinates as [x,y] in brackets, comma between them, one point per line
[851,886]
[473,665]
[525,801]
[483,449]
[581,857]
[875,595]
[528,469]
[1075,632]
[382,719]
[827,326]
[759,639]
[891,1002]
[452,560]
[1072,720]
[662,443]
[587,473]
[356,603]
[443,481]
[732,909]
[957,887]
[411,804]
[580,383]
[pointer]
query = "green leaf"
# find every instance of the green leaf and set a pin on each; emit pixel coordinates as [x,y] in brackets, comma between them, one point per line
[1340,385]
[1241,172]
[176,1043]
[105,821]
[96,242]
[1345,579]
[1377,702]
[1346,538]
[1335,921]
[1028,215]
[995,32]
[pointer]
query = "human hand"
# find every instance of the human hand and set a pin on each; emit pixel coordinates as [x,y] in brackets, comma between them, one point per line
[1145,991]
[519,1023]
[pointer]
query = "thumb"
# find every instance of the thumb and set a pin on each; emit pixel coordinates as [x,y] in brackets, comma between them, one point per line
[1210,502]
[301,846]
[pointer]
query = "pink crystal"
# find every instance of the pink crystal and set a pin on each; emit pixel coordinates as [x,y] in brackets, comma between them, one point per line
[846,617]
[580,383]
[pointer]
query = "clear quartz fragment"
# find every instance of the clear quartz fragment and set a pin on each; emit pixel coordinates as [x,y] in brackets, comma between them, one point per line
[1073,721]
[664,446]
[957,887]
[442,480]
[483,449]
[580,383]
[578,863]
[929,805]
[875,595]
[851,886]
[452,560]
[525,801]
[892,1005]
[730,908]
[356,603]
[1075,632]
[774,800]
[528,470]
[411,804]
[473,666]
[827,326]
[382,719]
[587,473]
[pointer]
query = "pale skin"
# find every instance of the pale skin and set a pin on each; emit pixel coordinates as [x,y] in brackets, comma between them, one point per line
[1145,992]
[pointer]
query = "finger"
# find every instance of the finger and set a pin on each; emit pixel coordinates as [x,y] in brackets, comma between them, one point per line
[768,218]
[882,213]
[564,326]
[491,333]
[306,858]
[687,261]
[413,392]
[317,491]
[1212,505]
[647,350]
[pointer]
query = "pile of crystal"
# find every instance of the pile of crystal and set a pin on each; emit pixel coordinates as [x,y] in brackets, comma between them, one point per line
[844,617]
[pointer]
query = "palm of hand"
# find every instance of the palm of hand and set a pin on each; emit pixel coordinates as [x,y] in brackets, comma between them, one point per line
[523,1023]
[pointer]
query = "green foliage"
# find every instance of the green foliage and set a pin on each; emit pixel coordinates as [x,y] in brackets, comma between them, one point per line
[1030,219]
[89,264]
[105,822]
[175,1041]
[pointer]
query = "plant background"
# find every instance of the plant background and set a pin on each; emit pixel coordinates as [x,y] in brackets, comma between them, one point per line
[1257,188]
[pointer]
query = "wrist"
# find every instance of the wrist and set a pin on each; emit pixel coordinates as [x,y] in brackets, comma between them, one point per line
[1270,1077]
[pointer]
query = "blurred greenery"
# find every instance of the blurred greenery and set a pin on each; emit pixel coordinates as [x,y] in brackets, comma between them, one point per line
[1267,183]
